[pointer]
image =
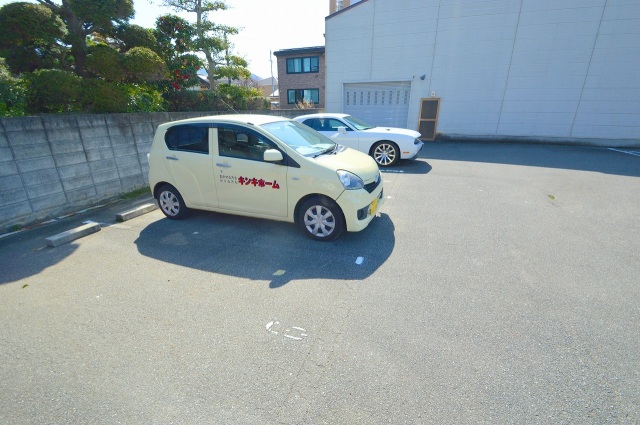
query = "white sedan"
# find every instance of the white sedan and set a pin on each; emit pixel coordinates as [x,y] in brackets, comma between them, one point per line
[386,145]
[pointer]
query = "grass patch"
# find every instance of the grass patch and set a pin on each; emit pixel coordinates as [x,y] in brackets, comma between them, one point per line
[135,193]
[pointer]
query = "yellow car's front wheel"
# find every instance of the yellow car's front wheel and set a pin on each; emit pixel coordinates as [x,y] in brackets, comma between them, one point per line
[321,219]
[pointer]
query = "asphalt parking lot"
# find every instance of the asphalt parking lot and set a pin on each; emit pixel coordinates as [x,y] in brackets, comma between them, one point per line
[500,284]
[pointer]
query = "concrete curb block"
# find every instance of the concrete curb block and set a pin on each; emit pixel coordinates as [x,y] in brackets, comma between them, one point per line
[73,234]
[142,209]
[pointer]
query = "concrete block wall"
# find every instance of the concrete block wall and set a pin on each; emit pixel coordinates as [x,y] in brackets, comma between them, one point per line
[57,164]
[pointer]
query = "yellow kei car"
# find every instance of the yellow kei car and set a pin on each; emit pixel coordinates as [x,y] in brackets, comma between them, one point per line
[267,167]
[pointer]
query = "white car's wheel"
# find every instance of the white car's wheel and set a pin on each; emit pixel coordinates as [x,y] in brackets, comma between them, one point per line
[385,153]
[171,202]
[321,219]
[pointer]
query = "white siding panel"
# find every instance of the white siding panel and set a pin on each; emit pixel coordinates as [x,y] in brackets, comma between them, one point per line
[629,81]
[478,8]
[616,54]
[604,119]
[467,94]
[503,32]
[543,68]
[541,93]
[551,56]
[480,23]
[552,82]
[471,107]
[556,42]
[612,41]
[533,5]
[537,118]
[602,106]
[621,95]
[606,132]
[626,26]
[550,30]
[464,125]
[538,130]
[554,16]
[536,106]
[623,11]
[610,105]
[484,86]
[387,7]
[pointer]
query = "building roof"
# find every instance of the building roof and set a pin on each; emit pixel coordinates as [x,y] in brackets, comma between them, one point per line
[352,5]
[299,51]
[267,81]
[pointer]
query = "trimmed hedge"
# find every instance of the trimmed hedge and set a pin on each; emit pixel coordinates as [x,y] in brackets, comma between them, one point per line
[99,97]
[56,91]
[52,90]
[13,93]
[226,98]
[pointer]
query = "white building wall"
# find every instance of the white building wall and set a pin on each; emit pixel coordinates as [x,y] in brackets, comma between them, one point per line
[350,58]
[471,63]
[537,68]
[610,99]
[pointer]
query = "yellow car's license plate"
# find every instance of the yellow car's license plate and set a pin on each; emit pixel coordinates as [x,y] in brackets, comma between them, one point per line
[373,207]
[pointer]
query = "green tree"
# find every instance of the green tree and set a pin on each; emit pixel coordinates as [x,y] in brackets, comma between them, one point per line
[233,68]
[31,37]
[101,97]
[84,17]
[138,65]
[210,39]
[143,98]
[144,65]
[127,36]
[175,39]
[12,93]
[105,62]
[53,90]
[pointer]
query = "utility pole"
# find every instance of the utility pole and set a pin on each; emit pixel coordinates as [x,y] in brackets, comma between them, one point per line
[273,82]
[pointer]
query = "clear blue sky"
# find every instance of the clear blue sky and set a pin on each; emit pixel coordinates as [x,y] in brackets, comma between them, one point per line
[265,25]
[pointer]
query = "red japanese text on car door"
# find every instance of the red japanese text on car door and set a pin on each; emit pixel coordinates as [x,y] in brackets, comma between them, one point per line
[245,182]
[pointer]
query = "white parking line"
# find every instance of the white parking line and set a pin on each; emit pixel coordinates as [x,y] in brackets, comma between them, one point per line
[627,152]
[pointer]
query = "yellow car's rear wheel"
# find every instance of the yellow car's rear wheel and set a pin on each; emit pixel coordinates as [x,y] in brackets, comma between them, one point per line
[171,203]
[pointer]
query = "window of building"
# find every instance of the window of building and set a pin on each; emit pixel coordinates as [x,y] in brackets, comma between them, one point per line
[302,65]
[298,95]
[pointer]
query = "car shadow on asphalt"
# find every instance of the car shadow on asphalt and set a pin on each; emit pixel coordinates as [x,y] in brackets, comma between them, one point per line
[623,162]
[23,256]
[408,166]
[266,250]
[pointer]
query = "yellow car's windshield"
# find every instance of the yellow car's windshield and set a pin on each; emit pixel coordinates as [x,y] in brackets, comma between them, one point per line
[301,138]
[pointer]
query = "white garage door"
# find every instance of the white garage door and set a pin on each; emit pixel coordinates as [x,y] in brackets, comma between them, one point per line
[381,104]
